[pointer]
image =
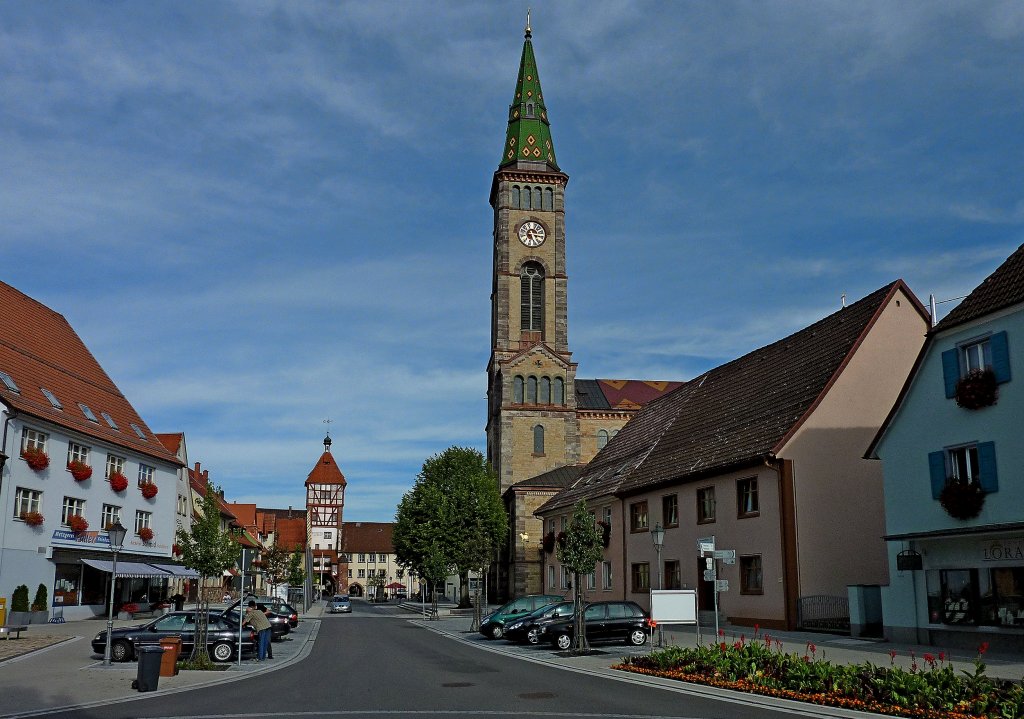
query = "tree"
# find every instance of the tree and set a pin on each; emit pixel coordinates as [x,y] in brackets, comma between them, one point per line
[375,583]
[296,573]
[579,550]
[452,518]
[275,566]
[208,549]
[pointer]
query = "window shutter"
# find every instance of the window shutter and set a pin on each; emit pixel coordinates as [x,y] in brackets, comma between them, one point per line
[1000,357]
[987,467]
[937,468]
[951,370]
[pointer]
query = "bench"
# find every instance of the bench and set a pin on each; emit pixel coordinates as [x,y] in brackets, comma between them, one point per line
[16,631]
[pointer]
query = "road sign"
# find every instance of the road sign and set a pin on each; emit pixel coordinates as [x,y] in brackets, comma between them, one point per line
[709,575]
[705,544]
[722,585]
[709,563]
[724,554]
[730,560]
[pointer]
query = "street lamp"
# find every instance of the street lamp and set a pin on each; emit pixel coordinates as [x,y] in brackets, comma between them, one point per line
[658,537]
[115,532]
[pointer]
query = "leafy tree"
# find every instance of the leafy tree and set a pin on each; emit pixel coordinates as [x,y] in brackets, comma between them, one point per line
[453,516]
[209,550]
[296,573]
[580,549]
[375,584]
[19,600]
[275,565]
[40,601]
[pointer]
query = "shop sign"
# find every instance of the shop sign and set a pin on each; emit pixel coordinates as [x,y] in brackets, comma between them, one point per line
[1003,550]
[66,535]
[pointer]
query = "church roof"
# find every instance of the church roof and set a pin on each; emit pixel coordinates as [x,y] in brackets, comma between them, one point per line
[733,415]
[1003,288]
[39,349]
[559,477]
[619,394]
[326,472]
[528,138]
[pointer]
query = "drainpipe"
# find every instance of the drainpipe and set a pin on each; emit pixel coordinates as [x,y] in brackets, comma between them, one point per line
[11,415]
[788,533]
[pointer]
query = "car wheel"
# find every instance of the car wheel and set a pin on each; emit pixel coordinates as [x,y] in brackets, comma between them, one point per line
[563,641]
[120,651]
[221,652]
[497,631]
[637,637]
[533,636]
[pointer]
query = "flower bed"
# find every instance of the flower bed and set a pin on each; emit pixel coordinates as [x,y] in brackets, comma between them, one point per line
[118,482]
[930,690]
[36,458]
[79,470]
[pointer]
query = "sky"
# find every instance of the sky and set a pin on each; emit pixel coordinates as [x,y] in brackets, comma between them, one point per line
[261,215]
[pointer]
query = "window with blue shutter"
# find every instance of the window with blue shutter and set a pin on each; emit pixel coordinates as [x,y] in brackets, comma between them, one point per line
[1000,357]
[951,371]
[992,353]
[937,470]
[987,477]
[968,464]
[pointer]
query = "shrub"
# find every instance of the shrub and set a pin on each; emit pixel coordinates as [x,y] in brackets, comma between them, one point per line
[41,600]
[19,600]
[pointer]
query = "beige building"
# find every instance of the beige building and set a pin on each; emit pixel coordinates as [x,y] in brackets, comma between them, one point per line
[369,552]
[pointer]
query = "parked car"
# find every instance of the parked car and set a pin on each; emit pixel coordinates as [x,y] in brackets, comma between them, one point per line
[524,629]
[603,621]
[492,626]
[221,639]
[279,624]
[279,606]
[340,604]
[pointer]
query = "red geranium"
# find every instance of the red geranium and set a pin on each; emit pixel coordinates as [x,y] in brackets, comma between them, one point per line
[77,523]
[118,482]
[79,470]
[32,519]
[145,534]
[36,458]
[175,549]
[148,490]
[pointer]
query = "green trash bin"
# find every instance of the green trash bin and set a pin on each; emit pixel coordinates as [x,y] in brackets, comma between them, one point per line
[149,668]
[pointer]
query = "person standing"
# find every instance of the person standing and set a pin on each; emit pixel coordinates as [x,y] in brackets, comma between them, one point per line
[259,622]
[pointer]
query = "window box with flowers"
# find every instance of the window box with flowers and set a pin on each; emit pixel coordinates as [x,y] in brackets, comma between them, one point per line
[36,458]
[32,519]
[79,470]
[606,532]
[962,500]
[549,542]
[127,611]
[77,523]
[146,534]
[977,389]
[118,482]
[148,490]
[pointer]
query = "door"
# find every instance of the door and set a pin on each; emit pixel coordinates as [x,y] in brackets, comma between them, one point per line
[705,589]
[618,622]
[594,622]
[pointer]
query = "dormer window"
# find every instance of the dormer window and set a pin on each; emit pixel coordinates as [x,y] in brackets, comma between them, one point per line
[52,398]
[110,420]
[138,431]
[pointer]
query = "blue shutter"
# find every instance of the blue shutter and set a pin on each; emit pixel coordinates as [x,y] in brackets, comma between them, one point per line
[987,477]
[937,468]
[1000,357]
[951,370]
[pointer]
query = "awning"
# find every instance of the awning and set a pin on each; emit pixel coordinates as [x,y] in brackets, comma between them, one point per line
[177,570]
[232,572]
[132,570]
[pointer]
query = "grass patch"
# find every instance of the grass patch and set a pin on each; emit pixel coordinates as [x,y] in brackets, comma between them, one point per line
[202,663]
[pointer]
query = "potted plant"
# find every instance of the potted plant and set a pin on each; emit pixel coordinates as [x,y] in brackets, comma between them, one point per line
[36,458]
[79,470]
[19,607]
[127,610]
[77,523]
[40,608]
[962,500]
[976,389]
[118,482]
[32,519]
[145,534]
[148,489]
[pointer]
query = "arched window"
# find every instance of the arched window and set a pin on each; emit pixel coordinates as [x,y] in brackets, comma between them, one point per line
[526,198]
[517,390]
[549,198]
[537,202]
[531,298]
[531,390]
[545,390]
[515,197]
[559,397]
[538,439]
[602,438]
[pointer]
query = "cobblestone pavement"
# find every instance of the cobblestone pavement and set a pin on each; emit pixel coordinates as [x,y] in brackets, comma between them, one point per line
[28,642]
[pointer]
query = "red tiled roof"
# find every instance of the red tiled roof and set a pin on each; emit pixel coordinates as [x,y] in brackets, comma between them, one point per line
[267,519]
[326,472]
[38,348]
[1003,288]
[171,441]
[367,537]
[200,482]
[291,533]
[245,513]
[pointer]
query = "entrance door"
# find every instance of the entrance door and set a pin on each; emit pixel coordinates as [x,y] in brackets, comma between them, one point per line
[705,590]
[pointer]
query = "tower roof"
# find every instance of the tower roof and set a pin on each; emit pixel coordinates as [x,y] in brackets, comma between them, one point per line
[326,471]
[528,140]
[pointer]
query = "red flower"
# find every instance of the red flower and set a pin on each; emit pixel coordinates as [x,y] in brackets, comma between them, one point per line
[149,490]
[722,646]
[982,648]
[79,470]
[36,458]
[77,523]
[145,534]
[175,549]
[118,482]
[721,632]
[32,519]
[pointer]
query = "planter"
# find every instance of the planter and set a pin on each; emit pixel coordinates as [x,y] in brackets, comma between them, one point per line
[118,482]
[962,501]
[549,542]
[36,459]
[125,616]
[77,523]
[977,389]
[19,618]
[79,470]
[39,617]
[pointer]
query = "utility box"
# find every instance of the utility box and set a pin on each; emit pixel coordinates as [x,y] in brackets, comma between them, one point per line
[3,611]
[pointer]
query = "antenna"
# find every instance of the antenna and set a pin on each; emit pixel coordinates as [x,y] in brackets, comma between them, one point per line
[842,299]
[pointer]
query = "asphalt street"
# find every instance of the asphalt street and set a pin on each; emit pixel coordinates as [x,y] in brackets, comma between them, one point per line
[376,662]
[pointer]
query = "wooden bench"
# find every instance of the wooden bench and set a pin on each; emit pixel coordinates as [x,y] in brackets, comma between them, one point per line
[16,631]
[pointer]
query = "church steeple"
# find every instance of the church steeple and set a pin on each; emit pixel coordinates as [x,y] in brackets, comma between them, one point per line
[528,142]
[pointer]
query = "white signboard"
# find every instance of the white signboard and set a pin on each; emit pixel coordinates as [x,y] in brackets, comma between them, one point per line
[705,544]
[721,585]
[674,606]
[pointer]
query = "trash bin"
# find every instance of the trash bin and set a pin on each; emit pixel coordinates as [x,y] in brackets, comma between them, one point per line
[169,661]
[149,668]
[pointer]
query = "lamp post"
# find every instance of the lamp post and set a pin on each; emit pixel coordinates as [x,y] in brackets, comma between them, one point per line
[115,532]
[658,537]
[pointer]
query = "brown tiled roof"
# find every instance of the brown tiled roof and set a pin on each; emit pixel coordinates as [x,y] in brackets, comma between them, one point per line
[326,471]
[267,519]
[38,348]
[291,533]
[1003,288]
[367,537]
[171,441]
[619,394]
[245,513]
[557,478]
[733,415]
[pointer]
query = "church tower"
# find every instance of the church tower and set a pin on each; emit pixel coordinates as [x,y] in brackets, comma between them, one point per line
[531,422]
[325,502]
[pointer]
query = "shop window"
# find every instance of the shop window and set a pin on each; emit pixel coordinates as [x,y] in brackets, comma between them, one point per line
[66,585]
[638,517]
[746,497]
[751,581]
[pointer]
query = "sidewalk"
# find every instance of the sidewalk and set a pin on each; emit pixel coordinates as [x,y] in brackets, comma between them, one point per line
[28,676]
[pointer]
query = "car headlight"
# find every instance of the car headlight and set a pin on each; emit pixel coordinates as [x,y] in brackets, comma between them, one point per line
[100,637]
[541,629]
[515,626]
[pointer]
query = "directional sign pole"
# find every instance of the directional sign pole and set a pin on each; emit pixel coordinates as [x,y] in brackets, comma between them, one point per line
[716,605]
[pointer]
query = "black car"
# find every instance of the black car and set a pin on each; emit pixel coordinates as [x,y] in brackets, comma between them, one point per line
[603,621]
[279,624]
[221,639]
[285,610]
[524,629]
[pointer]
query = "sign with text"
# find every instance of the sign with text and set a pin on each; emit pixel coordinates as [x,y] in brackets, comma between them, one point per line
[722,585]
[705,544]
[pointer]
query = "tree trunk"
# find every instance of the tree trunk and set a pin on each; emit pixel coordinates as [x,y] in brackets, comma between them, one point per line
[580,628]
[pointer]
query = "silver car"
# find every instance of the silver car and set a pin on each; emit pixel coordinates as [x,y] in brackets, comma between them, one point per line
[340,604]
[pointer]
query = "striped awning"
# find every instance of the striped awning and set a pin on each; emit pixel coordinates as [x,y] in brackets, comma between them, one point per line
[175,570]
[132,570]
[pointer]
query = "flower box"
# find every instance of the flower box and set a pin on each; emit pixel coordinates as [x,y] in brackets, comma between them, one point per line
[549,542]
[962,500]
[118,482]
[77,523]
[148,490]
[146,534]
[36,458]
[32,519]
[79,470]
[976,389]
[606,532]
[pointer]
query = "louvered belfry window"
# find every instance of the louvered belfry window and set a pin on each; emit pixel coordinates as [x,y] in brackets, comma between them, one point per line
[532,298]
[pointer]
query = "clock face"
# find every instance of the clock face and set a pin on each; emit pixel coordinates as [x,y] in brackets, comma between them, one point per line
[532,234]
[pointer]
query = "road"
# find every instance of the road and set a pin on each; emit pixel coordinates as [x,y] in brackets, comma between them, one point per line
[376,663]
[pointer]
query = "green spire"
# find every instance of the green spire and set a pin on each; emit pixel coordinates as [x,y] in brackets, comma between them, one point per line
[529,133]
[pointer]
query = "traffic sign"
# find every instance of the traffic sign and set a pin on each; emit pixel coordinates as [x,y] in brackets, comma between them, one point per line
[709,575]
[730,560]
[709,563]
[705,544]
[722,585]
[724,554]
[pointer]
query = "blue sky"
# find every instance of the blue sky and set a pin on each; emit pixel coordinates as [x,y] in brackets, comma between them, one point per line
[262,214]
